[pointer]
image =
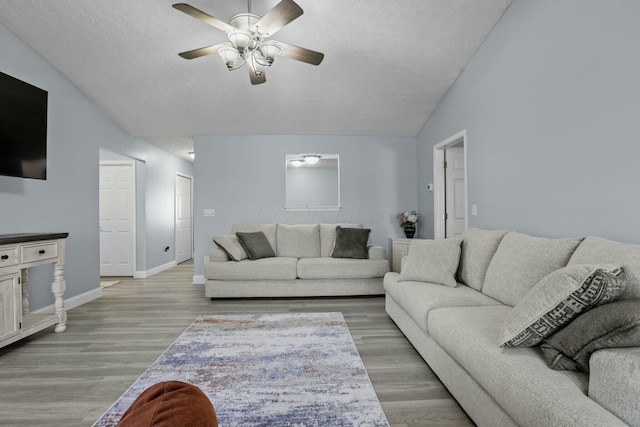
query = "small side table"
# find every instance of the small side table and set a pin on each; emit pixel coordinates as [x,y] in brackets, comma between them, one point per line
[399,248]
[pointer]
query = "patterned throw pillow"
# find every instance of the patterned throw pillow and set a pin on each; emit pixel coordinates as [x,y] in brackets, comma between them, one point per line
[231,246]
[558,299]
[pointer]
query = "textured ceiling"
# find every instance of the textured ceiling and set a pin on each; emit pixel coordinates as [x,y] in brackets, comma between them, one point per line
[387,64]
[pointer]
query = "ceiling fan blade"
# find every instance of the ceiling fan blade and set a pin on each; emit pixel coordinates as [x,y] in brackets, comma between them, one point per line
[257,76]
[198,14]
[301,54]
[203,51]
[283,13]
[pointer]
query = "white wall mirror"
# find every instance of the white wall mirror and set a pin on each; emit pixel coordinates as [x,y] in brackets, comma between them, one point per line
[312,182]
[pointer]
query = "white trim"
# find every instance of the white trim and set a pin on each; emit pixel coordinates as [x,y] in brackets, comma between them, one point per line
[134,205]
[439,185]
[161,268]
[198,279]
[139,274]
[73,302]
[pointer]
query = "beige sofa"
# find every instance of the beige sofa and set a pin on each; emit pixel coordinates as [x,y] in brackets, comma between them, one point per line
[302,267]
[456,331]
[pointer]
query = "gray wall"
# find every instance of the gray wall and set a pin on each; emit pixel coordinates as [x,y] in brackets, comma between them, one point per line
[68,199]
[243,179]
[550,103]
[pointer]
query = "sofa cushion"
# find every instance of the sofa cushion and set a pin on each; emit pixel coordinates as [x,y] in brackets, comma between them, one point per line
[432,261]
[596,250]
[521,261]
[341,268]
[558,299]
[610,325]
[276,268]
[419,298]
[328,236]
[614,381]
[351,243]
[231,246]
[518,379]
[298,240]
[478,247]
[256,245]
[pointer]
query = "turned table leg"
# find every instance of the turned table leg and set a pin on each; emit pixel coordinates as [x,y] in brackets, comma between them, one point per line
[25,291]
[58,288]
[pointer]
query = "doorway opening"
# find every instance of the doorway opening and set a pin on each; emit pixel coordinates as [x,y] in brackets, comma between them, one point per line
[450,186]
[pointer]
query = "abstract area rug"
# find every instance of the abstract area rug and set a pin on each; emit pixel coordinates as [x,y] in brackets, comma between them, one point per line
[295,369]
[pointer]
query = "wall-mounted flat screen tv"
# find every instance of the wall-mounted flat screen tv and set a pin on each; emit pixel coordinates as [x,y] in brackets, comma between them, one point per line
[23,129]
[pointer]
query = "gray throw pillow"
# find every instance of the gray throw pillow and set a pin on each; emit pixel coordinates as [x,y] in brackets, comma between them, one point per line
[610,325]
[256,245]
[231,246]
[432,261]
[351,243]
[557,299]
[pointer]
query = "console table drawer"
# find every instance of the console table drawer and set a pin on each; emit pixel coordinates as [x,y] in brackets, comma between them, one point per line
[8,256]
[32,253]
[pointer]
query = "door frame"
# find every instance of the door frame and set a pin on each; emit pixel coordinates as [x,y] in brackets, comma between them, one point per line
[175,218]
[134,207]
[439,205]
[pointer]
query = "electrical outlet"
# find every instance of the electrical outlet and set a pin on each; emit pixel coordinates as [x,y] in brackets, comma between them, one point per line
[209,212]
[474,210]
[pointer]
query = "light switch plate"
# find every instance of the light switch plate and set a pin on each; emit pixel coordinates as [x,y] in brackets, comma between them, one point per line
[209,212]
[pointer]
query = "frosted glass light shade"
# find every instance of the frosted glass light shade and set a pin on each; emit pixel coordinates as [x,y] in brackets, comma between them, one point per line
[229,55]
[240,39]
[269,50]
[296,163]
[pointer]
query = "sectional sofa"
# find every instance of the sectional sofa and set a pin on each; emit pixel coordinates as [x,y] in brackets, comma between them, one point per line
[458,327]
[303,265]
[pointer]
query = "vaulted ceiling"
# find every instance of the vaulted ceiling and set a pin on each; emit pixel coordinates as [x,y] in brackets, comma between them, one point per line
[387,64]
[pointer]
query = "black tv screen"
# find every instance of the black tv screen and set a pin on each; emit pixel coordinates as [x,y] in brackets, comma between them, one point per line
[23,129]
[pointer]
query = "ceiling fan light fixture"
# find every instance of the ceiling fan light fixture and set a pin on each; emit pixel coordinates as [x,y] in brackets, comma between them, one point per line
[241,40]
[229,55]
[311,159]
[269,51]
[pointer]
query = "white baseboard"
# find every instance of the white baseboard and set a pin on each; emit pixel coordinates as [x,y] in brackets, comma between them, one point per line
[154,270]
[73,302]
[198,279]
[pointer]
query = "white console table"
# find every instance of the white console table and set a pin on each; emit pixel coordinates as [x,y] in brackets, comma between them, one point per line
[17,253]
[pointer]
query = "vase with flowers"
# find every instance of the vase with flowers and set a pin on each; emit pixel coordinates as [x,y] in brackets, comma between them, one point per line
[408,223]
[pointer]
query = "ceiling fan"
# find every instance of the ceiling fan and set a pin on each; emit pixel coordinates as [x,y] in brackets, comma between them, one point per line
[247,34]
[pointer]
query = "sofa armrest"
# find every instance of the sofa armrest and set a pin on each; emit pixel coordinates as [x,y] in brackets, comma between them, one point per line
[218,255]
[377,252]
[614,381]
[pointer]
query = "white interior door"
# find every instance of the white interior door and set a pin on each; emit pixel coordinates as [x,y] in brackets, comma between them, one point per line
[183,219]
[456,199]
[117,213]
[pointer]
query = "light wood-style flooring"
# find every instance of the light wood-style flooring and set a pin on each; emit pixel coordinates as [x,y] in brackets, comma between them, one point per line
[70,379]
